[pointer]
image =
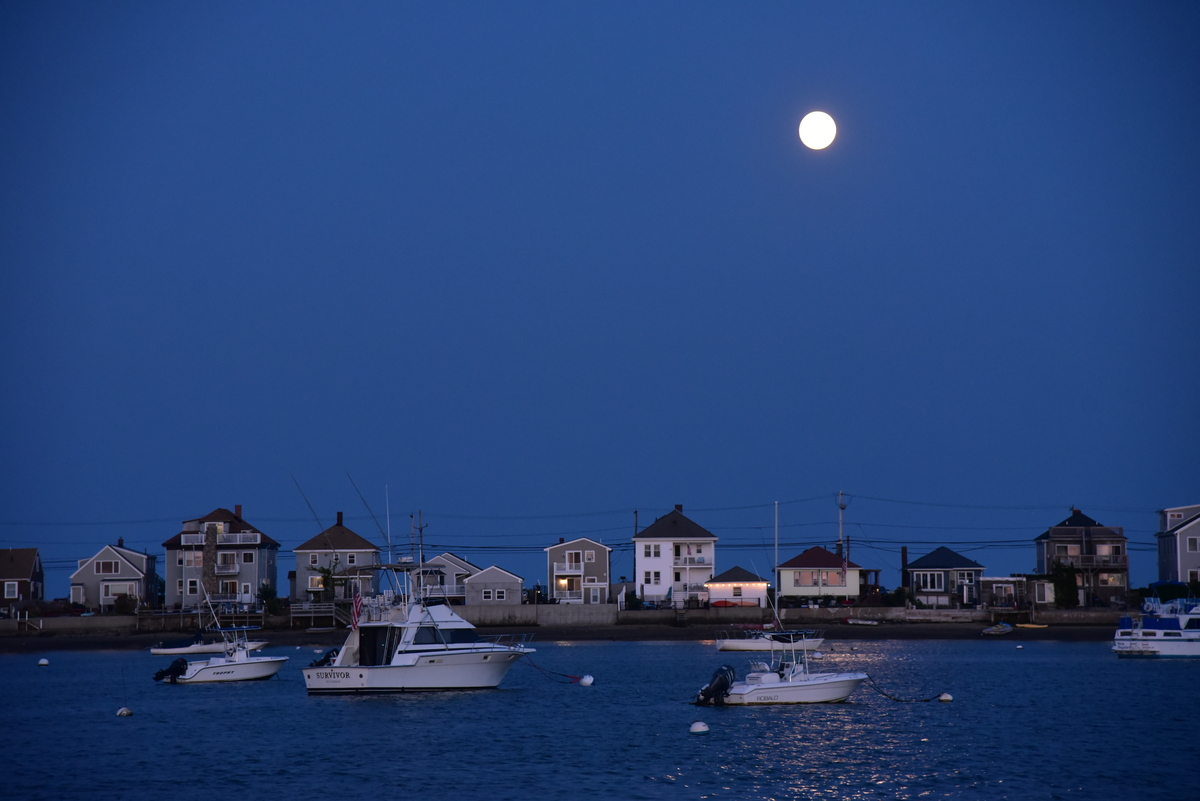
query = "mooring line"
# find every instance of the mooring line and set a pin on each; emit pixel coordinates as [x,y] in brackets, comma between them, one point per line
[878,689]
[550,674]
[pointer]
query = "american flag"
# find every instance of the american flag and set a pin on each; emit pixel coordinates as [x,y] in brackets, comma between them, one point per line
[357,610]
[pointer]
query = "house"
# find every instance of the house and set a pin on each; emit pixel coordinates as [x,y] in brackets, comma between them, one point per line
[737,587]
[350,560]
[1179,544]
[115,571]
[1099,554]
[22,576]
[443,576]
[944,578]
[493,585]
[578,571]
[1002,592]
[672,558]
[220,555]
[818,572]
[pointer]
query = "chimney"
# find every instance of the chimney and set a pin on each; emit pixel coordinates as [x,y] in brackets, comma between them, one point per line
[339,522]
[679,508]
[120,542]
[237,511]
[561,540]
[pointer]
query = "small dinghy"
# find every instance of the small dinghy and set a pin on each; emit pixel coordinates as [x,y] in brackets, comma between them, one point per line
[999,628]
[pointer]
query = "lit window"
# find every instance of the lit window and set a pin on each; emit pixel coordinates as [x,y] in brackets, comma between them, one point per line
[315,583]
[737,592]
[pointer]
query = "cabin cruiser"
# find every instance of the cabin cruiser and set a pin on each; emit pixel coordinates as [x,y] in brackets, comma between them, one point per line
[415,646]
[1167,629]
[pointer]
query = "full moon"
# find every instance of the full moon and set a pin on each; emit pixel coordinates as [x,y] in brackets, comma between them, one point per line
[817,130]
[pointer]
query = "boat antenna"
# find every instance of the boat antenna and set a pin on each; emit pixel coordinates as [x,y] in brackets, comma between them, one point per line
[320,527]
[775,595]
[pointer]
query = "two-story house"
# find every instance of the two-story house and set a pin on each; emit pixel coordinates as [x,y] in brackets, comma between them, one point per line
[21,575]
[672,558]
[1179,544]
[1099,554]
[578,571]
[444,576]
[944,578]
[115,571]
[817,573]
[348,560]
[219,555]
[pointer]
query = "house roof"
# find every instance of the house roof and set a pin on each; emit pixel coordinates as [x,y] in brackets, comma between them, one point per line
[817,557]
[578,539]
[1182,524]
[220,515]
[493,570]
[942,558]
[337,538]
[674,526]
[454,560]
[737,575]
[18,563]
[1077,520]
[137,562]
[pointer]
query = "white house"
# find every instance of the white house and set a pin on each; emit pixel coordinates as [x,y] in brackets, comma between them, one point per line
[819,573]
[1179,544]
[672,558]
[737,587]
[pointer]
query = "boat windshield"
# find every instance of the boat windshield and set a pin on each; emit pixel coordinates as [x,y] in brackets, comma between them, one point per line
[428,635]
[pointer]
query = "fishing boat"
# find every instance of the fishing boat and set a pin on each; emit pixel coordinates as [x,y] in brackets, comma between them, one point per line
[198,645]
[235,664]
[758,639]
[785,680]
[1167,629]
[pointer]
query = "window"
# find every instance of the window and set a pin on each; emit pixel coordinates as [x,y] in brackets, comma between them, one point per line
[228,587]
[934,581]
[247,557]
[1193,544]
[1193,575]
[796,579]
[179,586]
[833,578]
[245,589]
[966,577]
[737,592]
[351,558]
[676,575]
[315,583]
[193,587]
[1066,550]
[312,558]
[647,581]
[10,589]
[699,549]
[193,559]
[591,580]
[657,552]
[1111,580]
[106,567]
[656,577]
[1040,595]
[499,595]
[179,558]
[589,556]
[1108,550]
[646,550]
[226,558]
[487,595]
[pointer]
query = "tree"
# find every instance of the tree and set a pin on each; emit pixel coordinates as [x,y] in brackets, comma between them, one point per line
[1066,586]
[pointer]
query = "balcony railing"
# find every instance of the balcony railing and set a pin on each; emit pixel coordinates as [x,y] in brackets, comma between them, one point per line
[226,570]
[242,538]
[684,561]
[1093,560]
[568,567]
[444,590]
[568,595]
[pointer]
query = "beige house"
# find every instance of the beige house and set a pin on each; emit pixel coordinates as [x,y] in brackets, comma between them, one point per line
[491,586]
[98,582]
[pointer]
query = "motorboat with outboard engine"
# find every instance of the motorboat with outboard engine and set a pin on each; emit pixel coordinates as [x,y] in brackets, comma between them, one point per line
[235,664]
[782,682]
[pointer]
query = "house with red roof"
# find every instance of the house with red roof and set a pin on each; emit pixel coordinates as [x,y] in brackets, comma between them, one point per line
[820,573]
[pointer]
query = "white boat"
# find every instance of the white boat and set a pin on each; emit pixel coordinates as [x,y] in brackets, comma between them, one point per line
[1169,629]
[235,664]
[197,645]
[782,682]
[418,647]
[759,640]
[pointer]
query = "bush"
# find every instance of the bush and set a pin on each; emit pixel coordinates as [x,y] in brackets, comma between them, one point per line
[125,604]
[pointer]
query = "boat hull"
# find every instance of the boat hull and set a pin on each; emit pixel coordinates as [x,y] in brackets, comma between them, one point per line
[818,688]
[767,644]
[253,668]
[428,671]
[1146,648]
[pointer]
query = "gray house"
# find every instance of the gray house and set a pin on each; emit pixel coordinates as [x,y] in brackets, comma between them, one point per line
[349,559]
[492,586]
[1098,553]
[944,578]
[578,571]
[22,576]
[115,571]
[1179,544]
[220,555]
[444,576]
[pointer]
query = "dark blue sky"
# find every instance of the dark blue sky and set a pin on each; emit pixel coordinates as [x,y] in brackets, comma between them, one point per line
[532,266]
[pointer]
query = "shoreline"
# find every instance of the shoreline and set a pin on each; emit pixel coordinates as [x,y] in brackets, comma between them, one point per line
[302,638]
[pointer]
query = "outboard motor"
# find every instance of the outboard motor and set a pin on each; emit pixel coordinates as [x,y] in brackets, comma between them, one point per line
[172,671]
[717,688]
[326,660]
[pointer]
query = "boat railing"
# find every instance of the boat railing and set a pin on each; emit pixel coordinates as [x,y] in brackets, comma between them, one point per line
[507,640]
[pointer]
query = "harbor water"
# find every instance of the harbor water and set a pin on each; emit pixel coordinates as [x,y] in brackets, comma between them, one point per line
[1048,720]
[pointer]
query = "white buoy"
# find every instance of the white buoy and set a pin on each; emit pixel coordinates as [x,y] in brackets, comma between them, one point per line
[43,662]
[586,681]
[124,712]
[945,698]
[1019,647]
[699,727]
